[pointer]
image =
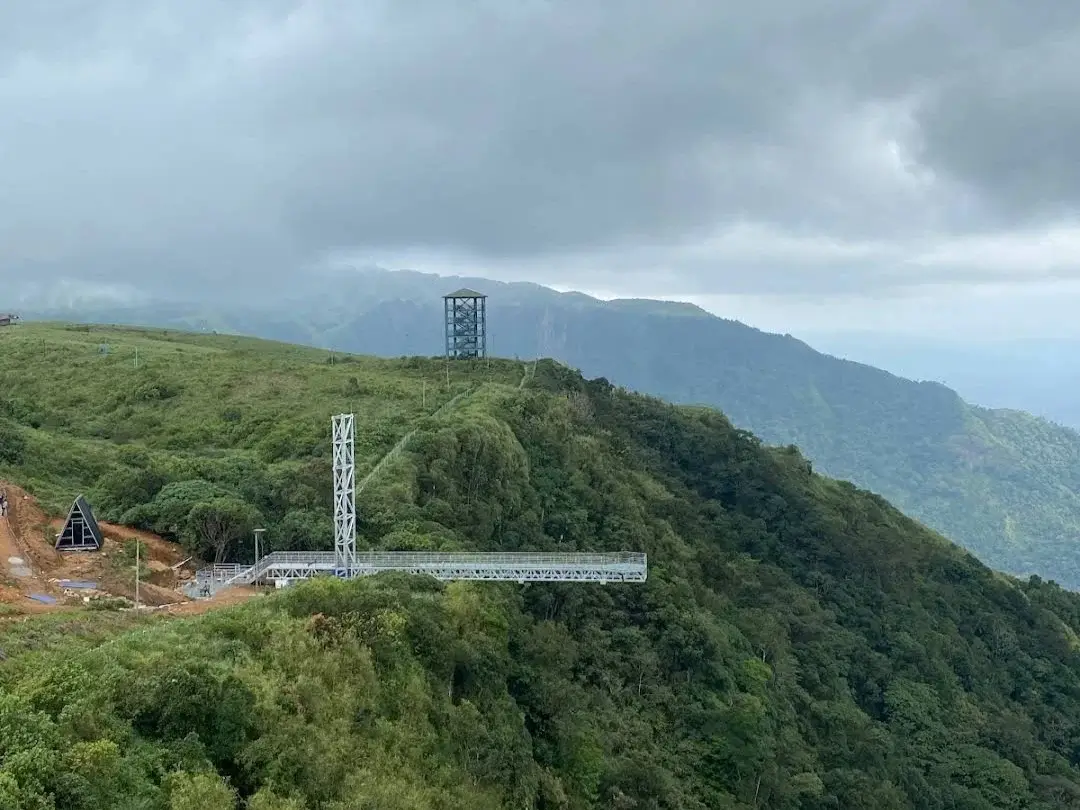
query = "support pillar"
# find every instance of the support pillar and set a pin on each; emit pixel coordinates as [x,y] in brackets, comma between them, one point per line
[344,430]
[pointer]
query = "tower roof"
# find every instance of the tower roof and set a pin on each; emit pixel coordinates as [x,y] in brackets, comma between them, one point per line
[465,292]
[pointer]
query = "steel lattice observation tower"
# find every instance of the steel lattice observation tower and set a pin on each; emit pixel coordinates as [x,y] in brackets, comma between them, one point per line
[465,314]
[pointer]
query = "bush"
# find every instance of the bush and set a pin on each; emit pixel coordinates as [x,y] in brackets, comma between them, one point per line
[12,443]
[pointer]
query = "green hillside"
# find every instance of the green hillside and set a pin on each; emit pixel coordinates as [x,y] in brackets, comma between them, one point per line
[1003,484]
[799,643]
[148,423]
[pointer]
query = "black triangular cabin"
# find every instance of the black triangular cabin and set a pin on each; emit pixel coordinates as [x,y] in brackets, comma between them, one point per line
[81,531]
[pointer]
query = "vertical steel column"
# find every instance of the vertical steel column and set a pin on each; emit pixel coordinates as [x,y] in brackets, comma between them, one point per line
[448,325]
[344,431]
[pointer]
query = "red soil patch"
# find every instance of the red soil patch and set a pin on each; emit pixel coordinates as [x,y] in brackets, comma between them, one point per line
[28,522]
[28,534]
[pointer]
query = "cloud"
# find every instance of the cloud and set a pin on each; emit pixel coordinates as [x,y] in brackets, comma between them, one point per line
[773,148]
[1036,253]
[992,313]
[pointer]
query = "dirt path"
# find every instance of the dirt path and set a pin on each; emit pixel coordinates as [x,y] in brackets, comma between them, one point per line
[396,450]
[229,596]
[29,564]
[530,372]
[18,577]
[29,525]
[11,554]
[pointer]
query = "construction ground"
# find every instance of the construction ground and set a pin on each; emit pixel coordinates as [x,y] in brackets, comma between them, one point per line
[36,578]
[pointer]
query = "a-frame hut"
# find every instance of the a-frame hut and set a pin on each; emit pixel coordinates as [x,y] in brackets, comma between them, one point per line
[81,531]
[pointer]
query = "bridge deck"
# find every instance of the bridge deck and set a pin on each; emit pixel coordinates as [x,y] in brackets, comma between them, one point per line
[508,566]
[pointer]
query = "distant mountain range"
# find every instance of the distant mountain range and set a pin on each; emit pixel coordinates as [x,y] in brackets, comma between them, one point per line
[1040,375]
[1002,483]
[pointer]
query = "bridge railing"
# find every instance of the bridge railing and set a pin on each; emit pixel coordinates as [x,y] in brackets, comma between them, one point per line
[411,558]
[513,559]
[238,574]
[219,572]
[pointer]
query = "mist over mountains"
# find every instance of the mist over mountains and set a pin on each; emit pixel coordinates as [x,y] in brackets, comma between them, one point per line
[1039,375]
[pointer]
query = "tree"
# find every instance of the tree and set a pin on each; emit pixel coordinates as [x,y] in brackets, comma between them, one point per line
[125,488]
[200,791]
[12,443]
[167,514]
[217,524]
[266,799]
[302,530]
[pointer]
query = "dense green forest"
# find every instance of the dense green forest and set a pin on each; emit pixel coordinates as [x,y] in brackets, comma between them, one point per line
[799,643]
[1003,484]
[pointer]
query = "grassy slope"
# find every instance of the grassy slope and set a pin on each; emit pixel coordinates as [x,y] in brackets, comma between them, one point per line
[1001,483]
[799,644]
[210,407]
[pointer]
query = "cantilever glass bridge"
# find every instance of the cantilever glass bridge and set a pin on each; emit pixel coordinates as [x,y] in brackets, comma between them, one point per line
[284,567]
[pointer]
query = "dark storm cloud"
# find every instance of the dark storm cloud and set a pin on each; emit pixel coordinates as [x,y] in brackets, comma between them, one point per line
[1010,130]
[191,141]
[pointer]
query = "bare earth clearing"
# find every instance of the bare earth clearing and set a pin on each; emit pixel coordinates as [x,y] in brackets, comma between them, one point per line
[30,566]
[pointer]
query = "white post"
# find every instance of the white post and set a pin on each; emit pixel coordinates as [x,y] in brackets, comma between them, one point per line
[257,533]
[136,573]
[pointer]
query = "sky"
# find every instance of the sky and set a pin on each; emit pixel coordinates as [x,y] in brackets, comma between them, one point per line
[902,165]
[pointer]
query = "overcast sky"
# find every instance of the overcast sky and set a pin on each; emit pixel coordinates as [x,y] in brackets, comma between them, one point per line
[907,164]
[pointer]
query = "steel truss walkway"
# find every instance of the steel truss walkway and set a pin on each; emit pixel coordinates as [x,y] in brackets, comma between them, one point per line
[285,567]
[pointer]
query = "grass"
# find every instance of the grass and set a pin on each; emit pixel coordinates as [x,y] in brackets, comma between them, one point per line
[67,629]
[87,399]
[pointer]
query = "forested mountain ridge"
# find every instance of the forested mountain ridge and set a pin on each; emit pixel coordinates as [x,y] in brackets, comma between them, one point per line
[1034,374]
[799,643]
[1003,484]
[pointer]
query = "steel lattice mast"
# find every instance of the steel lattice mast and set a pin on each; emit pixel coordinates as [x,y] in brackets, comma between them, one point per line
[284,567]
[344,431]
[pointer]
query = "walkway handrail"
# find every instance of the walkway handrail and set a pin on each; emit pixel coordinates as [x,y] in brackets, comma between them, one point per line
[413,560]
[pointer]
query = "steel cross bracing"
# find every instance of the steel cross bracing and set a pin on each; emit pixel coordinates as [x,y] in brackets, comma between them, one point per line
[344,561]
[505,566]
[344,429]
[466,326]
